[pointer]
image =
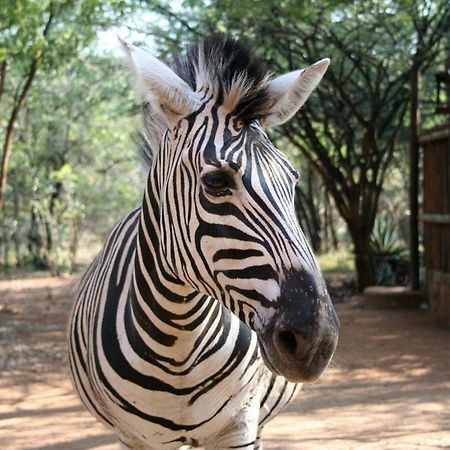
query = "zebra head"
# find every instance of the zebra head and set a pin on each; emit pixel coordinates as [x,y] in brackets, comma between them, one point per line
[225,194]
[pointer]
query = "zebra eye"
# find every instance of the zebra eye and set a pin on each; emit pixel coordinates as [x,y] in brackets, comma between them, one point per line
[217,183]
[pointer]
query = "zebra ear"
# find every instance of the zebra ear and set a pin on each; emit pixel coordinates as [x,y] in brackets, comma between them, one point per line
[291,90]
[158,84]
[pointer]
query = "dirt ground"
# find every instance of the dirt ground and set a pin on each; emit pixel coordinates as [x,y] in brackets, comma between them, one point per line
[389,387]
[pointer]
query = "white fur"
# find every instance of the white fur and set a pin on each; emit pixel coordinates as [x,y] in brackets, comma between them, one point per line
[167,92]
[291,90]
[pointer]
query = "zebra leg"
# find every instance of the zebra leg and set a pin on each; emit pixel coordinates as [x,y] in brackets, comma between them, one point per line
[242,433]
[133,444]
[258,443]
[124,446]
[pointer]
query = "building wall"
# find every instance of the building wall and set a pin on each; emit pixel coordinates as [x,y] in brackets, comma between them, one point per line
[436,219]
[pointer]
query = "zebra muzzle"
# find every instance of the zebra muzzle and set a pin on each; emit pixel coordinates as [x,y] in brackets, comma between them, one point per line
[302,336]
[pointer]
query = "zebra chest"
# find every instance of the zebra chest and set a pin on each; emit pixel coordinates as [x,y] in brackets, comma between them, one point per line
[165,420]
[176,397]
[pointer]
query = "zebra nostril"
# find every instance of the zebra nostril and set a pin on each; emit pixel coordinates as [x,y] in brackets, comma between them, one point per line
[286,342]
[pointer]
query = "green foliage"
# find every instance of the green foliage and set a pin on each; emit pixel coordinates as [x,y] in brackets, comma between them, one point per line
[385,239]
[389,251]
[336,262]
[73,172]
[356,122]
[73,168]
[74,163]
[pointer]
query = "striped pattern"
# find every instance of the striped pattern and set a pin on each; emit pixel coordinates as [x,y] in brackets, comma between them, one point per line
[168,331]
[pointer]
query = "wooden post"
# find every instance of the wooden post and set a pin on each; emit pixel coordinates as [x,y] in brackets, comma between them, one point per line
[414,181]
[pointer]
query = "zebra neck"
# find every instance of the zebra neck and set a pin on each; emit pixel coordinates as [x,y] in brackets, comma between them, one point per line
[166,319]
[172,333]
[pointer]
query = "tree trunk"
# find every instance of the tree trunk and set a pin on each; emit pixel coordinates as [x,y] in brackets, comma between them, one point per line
[73,247]
[3,70]
[2,263]
[306,217]
[17,108]
[414,181]
[330,238]
[5,239]
[313,206]
[363,255]
[15,236]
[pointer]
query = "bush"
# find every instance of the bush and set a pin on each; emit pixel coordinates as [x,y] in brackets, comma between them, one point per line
[389,251]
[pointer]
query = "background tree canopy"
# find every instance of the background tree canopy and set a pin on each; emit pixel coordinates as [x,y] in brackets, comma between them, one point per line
[68,111]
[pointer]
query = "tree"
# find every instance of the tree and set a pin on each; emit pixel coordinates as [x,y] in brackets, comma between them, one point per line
[40,35]
[74,170]
[71,158]
[349,130]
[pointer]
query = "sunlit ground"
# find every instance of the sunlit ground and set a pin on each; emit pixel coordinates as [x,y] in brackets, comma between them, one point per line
[388,387]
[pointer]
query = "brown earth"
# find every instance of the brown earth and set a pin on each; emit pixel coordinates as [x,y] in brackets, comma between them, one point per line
[389,387]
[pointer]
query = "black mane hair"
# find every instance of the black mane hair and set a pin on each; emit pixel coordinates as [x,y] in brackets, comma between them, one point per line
[221,62]
[229,69]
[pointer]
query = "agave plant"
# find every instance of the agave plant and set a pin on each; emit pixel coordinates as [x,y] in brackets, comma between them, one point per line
[388,250]
[385,240]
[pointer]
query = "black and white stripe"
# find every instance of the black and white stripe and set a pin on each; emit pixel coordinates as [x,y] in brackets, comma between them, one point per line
[206,300]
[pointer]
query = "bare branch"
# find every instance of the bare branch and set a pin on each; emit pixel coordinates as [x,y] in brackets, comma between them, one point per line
[3,70]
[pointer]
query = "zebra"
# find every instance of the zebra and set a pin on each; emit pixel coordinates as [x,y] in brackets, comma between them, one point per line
[206,309]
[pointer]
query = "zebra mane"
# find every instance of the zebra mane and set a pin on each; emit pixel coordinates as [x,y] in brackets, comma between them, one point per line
[227,68]
[147,142]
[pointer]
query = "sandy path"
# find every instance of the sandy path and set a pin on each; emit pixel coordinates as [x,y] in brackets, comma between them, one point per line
[390,388]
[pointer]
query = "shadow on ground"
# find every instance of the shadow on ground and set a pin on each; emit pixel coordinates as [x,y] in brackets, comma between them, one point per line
[388,388]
